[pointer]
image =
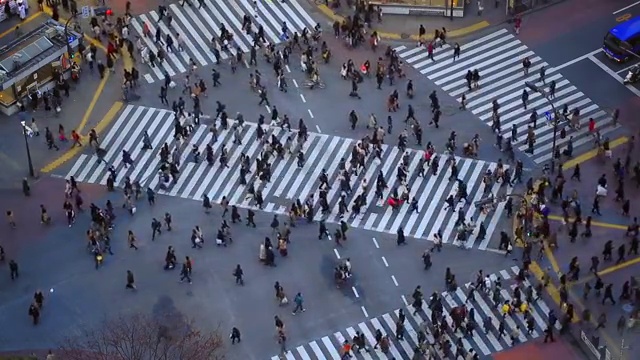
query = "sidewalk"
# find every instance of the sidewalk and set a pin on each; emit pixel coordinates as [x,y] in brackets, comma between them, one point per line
[405,27]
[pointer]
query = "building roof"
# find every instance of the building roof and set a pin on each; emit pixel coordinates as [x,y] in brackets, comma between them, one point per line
[32,47]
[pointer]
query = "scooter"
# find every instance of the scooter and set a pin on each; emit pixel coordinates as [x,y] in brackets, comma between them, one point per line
[632,76]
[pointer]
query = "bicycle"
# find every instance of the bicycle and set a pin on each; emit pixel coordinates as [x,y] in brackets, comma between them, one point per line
[311,85]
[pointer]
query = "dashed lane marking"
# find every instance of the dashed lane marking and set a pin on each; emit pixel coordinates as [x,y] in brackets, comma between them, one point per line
[355,292]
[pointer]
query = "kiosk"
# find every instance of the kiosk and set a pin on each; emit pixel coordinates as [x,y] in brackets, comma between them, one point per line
[32,62]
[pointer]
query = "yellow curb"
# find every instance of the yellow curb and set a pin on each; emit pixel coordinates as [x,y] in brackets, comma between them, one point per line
[63,21]
[93,103]
[126,59]
[392,36]
[592,153]
[609,270]
[537,271]
[25,21]
[71,153]
[554,293]
[593,223]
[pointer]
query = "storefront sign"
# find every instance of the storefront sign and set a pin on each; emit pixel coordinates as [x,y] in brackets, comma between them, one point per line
[426,12]
[86,12]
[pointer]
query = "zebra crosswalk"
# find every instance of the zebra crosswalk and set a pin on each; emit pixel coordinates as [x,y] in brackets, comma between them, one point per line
[483,343]
[498,58]
[197,26]
[289,182]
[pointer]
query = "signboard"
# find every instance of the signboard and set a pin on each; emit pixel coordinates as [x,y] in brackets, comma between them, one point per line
[547,114]
[86,12]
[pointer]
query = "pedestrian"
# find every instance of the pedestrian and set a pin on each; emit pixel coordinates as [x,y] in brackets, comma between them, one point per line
[515,335]
[13,269]
[168,221]
[250,216]
[38,298]
[602,321]
[548,335]
[235,335]
[275,224]
[282,340]
[48,136]
[34,312]
[131,239]
[185,273]
[608,294]
[456,51]
[401,240]
[238,273]
[130,281]
[11,219]
[298,300]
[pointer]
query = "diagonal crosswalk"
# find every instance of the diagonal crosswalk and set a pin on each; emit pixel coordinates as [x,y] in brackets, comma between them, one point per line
[498,58]
[288,181]
[483,343]
[197,26]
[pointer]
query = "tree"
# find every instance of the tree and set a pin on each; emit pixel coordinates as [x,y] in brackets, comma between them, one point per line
[143,337]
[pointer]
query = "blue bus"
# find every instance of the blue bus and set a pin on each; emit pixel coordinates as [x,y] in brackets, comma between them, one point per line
[622,39]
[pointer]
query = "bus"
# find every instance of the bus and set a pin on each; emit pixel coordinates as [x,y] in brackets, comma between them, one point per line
[623,40]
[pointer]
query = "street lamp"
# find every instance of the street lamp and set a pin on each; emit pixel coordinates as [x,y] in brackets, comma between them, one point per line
[27,133]
[554,120]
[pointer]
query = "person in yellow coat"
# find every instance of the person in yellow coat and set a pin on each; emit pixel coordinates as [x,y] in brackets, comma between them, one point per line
[506,308]
[524,307]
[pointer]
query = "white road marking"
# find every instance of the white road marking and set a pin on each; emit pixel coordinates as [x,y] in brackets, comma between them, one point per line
[576,60]
[614,75]
[384,260]
[395,282]
[375,242]
[310,113]
[626,7]
[335,251]
[318,128]
[355,292]
[295,83]
[303,99]
[364,311]
[625,69]
[287,67]
[404,300]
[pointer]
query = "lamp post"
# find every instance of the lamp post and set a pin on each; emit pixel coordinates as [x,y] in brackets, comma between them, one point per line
[66,35]
[27,132]
[554,120]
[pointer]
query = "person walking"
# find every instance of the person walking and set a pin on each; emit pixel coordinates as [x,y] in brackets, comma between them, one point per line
[238,273]
[185,273]
[130,281]
[235,335]
[298,300]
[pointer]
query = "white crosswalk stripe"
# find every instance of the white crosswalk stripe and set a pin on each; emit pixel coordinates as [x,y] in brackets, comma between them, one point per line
[498,58]
[197,26]
[290,182]
[483,343]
